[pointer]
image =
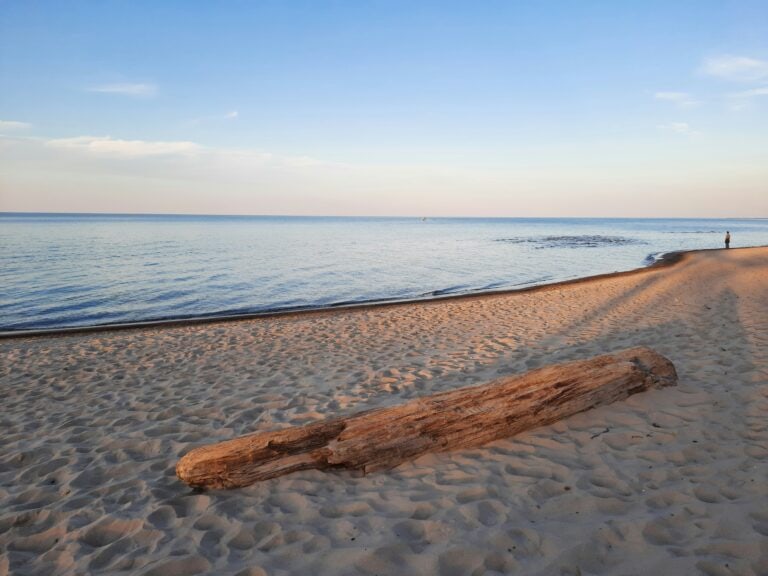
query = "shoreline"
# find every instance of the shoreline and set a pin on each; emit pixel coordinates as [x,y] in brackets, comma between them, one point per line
[666,259]
[666,481]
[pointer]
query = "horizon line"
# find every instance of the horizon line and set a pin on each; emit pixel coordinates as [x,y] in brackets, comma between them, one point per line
[391,217]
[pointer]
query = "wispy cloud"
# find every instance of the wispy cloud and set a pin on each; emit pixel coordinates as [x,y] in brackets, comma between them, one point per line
[741,100]
[127,89]
[679,128]
[754,92]
[106,147]
[215,118]
[114,147]
[736,68]
[681,99]
[76,174]
[13,126]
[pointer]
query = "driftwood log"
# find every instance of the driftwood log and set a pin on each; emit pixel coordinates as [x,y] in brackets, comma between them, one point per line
[383,438]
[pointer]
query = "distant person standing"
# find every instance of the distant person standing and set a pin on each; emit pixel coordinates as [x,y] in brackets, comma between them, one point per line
[727,239]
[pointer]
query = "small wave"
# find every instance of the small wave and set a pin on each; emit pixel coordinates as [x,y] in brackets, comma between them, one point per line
[493,286]
[691,231]
[534,282]
[585,241]
[73,305]
[653,258]
[448,290]
[169,295]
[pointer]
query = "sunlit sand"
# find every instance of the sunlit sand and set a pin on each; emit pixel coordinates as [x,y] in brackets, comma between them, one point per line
[671,481]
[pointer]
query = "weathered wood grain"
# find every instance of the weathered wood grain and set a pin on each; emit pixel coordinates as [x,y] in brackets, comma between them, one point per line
[465,417]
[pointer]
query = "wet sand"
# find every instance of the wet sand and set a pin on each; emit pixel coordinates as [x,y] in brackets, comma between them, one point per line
[673,481]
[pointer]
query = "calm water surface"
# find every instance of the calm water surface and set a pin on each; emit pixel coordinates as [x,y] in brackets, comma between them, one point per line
[79,270]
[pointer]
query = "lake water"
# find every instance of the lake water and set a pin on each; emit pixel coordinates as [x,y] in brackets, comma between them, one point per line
[77,270]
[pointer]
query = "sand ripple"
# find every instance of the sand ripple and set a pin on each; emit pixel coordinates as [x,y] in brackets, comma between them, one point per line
[669,482]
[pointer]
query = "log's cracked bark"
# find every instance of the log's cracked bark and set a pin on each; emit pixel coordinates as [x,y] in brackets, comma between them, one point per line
[465,417]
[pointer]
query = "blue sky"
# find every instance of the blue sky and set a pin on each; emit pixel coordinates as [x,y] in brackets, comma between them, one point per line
[403,108]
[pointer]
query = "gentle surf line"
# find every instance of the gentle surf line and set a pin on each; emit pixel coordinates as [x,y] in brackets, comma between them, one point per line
[666,259]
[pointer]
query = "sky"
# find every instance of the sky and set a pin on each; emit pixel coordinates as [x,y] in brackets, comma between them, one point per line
[487,108]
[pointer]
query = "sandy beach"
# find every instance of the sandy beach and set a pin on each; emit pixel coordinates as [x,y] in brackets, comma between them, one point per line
[672,481]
